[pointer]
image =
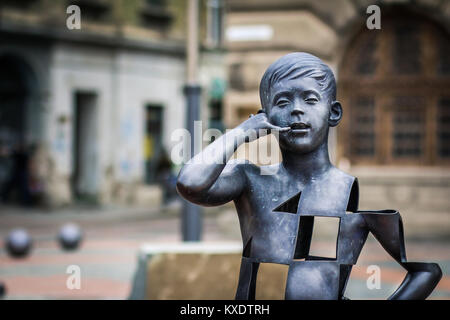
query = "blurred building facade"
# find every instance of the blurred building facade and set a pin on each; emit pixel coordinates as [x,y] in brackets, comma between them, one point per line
[99,103]
[393,84]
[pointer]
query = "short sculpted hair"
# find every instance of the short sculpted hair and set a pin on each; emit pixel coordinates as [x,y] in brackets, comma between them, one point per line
[296,65]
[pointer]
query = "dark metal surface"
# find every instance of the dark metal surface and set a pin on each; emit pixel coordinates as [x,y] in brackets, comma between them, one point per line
[277,211]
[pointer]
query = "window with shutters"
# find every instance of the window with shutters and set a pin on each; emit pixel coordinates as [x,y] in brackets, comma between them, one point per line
[394,86]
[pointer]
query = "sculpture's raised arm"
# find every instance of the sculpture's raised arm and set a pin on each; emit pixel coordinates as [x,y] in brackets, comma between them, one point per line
[207,179]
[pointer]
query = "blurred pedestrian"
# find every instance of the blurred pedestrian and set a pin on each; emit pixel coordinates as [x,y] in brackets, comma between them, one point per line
[19,178]
[166,177]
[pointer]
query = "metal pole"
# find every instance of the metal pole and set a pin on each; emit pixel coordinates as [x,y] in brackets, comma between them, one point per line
[191,224]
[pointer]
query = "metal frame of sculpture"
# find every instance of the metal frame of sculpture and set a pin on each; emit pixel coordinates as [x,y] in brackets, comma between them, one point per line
[276,212]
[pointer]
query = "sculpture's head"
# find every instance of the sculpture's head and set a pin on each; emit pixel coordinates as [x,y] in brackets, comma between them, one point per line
[299,91]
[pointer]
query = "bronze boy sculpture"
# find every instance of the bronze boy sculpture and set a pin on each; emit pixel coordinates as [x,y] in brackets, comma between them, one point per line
[276,211]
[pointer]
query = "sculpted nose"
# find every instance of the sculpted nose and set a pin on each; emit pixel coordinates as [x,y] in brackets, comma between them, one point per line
[297,108]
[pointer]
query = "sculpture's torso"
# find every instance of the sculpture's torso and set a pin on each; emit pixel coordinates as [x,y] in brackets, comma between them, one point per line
[276,214]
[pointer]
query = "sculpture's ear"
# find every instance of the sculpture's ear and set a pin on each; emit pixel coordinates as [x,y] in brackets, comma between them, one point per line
[335,114]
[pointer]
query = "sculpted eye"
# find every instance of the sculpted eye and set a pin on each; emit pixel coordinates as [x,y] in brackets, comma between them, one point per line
[311,97]
[311,100]
[282,103]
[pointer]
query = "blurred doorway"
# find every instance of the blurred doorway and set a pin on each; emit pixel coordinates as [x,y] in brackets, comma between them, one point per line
[153,147]
[85,173]
[17,117]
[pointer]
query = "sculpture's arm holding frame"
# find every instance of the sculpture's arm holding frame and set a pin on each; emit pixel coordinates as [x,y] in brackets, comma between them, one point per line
[422,278]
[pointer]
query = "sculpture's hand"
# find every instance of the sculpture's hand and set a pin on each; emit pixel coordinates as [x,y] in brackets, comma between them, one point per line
[257,126]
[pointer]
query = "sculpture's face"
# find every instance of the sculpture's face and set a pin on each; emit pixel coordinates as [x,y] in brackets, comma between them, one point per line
[300,104]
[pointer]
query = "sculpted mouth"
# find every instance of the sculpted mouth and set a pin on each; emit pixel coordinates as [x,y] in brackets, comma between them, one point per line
[299,126]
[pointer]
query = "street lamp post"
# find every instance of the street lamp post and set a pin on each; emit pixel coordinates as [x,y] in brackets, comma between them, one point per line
[191,223]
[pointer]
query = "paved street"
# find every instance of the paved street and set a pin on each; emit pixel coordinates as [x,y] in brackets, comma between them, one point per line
[112,238]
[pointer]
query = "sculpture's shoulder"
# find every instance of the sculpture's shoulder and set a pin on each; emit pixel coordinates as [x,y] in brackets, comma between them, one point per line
[333,192]
[255,172]
[242,166]
[335,175]
[335,181]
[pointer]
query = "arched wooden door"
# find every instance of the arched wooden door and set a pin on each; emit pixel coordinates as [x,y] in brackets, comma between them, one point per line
[394,87]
